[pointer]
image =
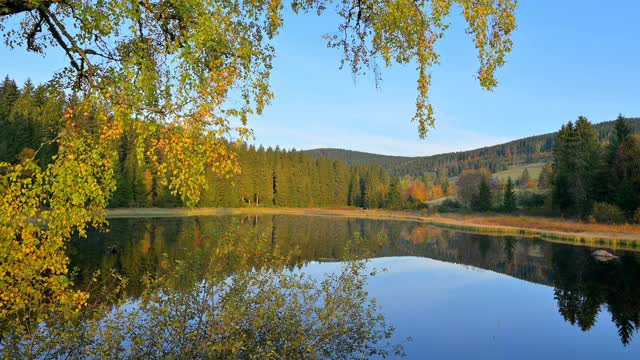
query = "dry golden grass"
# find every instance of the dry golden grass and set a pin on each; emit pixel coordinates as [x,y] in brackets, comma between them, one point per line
[543,223]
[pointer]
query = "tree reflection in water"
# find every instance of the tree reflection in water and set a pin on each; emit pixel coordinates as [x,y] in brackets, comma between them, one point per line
[240,297]
[583,285]
[584,288]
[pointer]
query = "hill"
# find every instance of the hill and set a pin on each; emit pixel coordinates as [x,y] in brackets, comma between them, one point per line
[501,157]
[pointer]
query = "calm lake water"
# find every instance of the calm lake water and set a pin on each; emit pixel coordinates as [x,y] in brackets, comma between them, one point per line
[456,295]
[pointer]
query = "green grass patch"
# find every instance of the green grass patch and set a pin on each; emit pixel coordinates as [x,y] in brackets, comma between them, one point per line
[516,171]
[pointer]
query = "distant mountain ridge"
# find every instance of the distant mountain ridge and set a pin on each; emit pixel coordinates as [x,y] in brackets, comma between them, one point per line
[496,157]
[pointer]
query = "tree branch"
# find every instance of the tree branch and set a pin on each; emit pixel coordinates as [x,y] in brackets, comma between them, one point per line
[56,35]
[12,7]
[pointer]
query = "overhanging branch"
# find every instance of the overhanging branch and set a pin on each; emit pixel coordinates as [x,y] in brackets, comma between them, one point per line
[12,7]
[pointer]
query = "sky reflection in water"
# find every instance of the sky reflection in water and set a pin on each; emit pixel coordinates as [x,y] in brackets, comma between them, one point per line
[456,295]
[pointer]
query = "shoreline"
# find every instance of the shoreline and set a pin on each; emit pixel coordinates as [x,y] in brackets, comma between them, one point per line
[549,229]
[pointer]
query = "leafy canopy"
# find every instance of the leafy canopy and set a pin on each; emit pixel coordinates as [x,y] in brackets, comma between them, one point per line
[168,59]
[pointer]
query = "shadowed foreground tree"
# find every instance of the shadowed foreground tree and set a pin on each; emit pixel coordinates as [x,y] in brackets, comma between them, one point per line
[186,75]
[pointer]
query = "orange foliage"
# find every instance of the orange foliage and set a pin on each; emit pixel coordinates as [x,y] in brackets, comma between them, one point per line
[26,154]
[451,191]
[417,190]
[436,192]
[418,235]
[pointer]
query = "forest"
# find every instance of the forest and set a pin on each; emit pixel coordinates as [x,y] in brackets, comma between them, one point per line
[30,120]
[527,150]
[593,172]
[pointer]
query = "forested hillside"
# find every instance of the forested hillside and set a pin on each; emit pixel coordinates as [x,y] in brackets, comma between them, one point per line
[589,172]
[31,118]
[495,158]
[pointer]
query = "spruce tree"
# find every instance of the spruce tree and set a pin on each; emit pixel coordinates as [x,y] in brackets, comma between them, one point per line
[509,202]
[587,156]
[612,178]
[354,188]
[576,158]
[482,200]
[562,165]
[626,168]
[9,93]
[394,198]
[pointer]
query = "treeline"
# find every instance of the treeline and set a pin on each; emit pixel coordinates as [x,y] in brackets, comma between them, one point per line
[269,177]
[588,178]
[29,121]
[494,158]
[31,118]
[277,177]
[596,179]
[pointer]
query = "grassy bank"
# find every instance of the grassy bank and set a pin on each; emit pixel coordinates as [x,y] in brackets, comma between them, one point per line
[551,229]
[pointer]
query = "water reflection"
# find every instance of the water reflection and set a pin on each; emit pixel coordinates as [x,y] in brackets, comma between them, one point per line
[239,297]
[584,288]
[583,285]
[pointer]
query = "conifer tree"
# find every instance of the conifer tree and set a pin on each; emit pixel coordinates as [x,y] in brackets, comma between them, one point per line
[576,158]
[588,157]
[612,179]
[354,188]
[509,202]
[394,199]
[482,200]
[626,169]
[9,93]
[264,180]
[341,184]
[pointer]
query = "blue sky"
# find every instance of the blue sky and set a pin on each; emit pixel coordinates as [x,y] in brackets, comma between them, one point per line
[570,58]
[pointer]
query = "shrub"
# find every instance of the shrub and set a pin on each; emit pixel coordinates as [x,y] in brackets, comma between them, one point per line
[450,205]
[607,213]
[636,217]
[531,199]
[422,206]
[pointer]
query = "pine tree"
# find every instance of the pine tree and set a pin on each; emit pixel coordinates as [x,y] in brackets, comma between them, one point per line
[626,169]
[482,200]
[340,184]
[612,180]
[264,185]
[9,93]
[587,156]
[368,195]
[509,202]
[394,198]
[576,158]
[562,165]
[354,188]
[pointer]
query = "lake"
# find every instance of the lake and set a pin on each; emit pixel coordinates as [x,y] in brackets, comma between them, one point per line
[455,294]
